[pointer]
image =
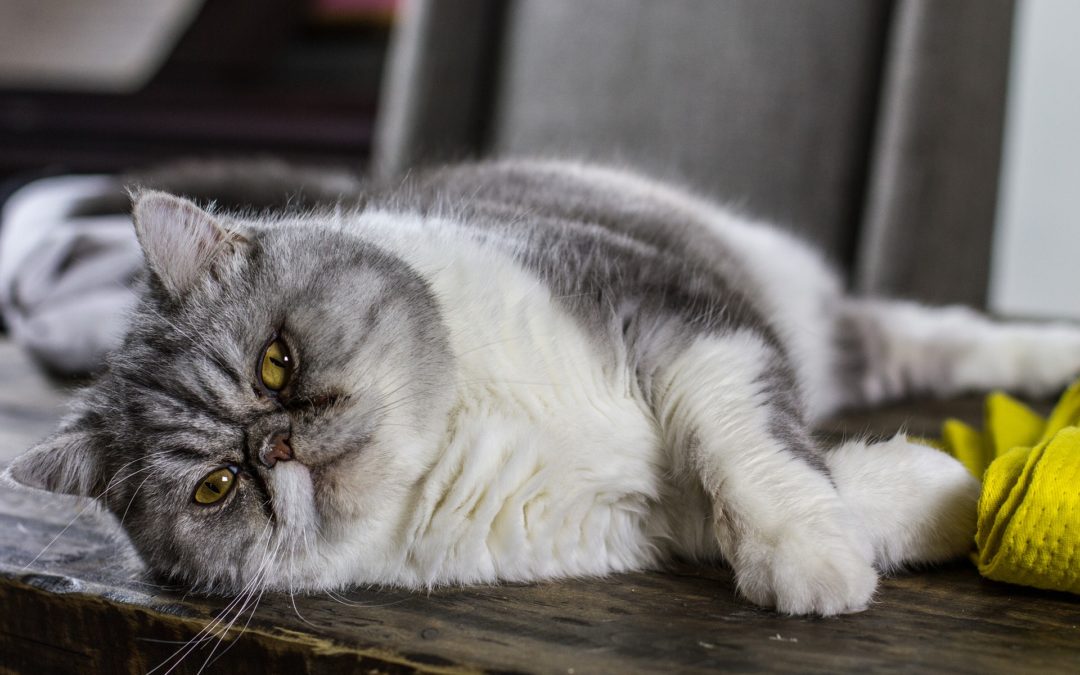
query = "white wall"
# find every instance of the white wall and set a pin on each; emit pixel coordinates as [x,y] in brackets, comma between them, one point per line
[1036,264]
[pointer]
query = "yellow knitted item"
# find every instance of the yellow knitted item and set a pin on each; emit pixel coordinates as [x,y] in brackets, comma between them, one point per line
[1029,511]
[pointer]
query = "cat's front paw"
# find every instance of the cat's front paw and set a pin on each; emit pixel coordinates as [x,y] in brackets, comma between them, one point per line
[805,574]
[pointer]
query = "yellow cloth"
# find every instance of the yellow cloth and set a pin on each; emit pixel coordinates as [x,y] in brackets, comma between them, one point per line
[1029,510]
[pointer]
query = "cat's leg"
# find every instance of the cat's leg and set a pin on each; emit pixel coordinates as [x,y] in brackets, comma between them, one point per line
[731,420]
[890,349]
[914,504]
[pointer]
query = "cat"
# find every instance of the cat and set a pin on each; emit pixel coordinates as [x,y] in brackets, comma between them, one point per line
[514,371]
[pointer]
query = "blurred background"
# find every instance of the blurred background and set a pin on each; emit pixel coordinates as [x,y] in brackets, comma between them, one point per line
[930,147]
[108,85]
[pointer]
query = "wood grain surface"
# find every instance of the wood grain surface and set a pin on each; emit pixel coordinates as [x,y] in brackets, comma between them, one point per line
[74,599]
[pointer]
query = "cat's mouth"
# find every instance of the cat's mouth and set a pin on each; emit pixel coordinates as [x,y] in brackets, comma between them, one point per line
[296,464]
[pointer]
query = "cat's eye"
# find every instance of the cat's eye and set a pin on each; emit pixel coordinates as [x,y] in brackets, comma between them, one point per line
[215,485]
[276,366]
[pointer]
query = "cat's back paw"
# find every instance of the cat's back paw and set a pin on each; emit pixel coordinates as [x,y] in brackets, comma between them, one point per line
[914,504]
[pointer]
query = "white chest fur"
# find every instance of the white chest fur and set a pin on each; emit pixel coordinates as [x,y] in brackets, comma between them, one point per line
[552,460]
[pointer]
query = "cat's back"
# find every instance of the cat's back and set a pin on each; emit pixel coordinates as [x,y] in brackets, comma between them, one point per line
[605,238]
[599,238]
[548,199]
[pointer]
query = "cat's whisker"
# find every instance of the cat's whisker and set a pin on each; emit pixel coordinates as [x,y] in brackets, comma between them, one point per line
[385,604]
[58,535]
[487,345]
[340,599]
[263,571]
[306,543]
[396,425]
[320,535]
[206,633]
[211,630]
[292,600]
[243,630]
[201,636]
[116,473]
[170,323]
[383,406]
[161,642]
[395,388]
[160,587]
[131,500]
[386,408]
[567,296]
[115,481]
[224,631]
[193,341]
[390,406]
[89,505]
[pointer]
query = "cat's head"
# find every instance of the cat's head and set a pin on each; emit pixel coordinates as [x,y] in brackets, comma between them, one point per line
[280,385]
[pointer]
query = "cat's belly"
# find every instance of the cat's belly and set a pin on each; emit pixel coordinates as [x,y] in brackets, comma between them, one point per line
[551,467]
[520,497]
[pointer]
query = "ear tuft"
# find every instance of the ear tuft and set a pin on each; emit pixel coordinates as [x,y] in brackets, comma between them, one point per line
[179,239]
[68,463]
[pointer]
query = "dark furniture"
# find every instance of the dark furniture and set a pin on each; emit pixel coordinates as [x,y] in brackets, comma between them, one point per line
[247,78]
[871,127]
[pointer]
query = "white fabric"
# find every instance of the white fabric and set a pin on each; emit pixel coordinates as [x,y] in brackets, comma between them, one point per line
[65,279]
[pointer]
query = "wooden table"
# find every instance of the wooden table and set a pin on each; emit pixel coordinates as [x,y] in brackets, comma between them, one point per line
[83,605]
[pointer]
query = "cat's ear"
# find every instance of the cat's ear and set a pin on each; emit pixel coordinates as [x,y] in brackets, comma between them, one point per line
[69,462]
[179,239]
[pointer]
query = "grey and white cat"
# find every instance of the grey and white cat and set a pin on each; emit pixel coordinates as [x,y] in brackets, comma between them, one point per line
[521,371]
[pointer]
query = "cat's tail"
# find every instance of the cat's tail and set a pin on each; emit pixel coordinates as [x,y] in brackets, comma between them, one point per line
[912,503]
[889,350]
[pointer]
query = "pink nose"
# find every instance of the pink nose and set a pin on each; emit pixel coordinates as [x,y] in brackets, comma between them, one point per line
[276,449]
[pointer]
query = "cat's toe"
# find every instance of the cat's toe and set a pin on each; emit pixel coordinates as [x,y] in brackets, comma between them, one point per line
[807,575]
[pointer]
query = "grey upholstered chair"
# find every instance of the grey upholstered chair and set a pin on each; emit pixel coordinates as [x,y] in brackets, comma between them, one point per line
[872,126]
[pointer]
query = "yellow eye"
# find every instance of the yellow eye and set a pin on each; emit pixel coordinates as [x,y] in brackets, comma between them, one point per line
[276,367]
[214,486]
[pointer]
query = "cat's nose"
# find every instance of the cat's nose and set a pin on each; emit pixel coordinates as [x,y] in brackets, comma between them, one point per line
[276,449]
